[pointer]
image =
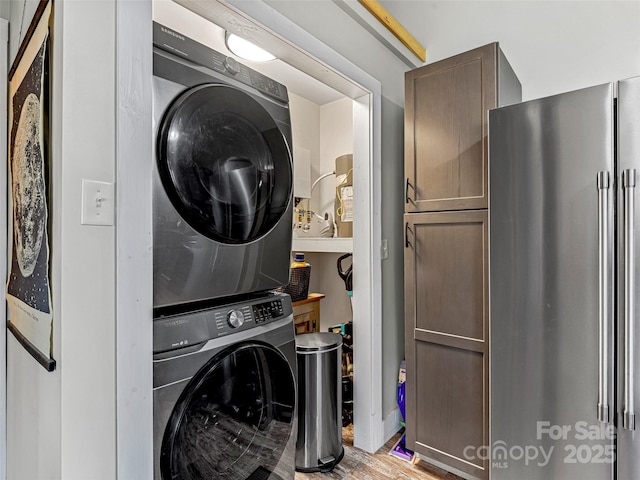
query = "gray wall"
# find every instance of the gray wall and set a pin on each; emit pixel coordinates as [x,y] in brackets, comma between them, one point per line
[393,267]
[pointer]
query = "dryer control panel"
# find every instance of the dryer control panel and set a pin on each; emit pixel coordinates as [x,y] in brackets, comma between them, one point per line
[192,330]
[180,45]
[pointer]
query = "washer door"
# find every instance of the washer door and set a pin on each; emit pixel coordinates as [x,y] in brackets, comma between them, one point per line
[234,418]
[224,163]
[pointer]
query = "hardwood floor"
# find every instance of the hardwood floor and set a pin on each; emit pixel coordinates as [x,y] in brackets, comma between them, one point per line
[360,465]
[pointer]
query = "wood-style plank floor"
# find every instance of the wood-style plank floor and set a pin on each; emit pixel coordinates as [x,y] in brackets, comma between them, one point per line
[360,465]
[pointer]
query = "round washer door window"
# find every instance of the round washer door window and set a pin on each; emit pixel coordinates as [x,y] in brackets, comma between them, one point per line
[234,418]
[224,163]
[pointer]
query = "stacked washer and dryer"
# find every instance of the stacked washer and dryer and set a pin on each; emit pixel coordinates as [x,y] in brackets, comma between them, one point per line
[224,365]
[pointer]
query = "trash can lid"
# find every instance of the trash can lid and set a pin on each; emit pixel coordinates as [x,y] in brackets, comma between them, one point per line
[317,342]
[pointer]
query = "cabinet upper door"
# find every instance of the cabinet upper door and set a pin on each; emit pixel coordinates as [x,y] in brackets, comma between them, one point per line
[446,106]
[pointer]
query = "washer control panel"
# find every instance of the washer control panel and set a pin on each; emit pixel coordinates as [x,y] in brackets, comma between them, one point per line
[232,318]
[235,319]
[193,329]
[268,311]
[247,316]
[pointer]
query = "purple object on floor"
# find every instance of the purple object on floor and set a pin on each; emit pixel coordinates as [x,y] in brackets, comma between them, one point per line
[401,451]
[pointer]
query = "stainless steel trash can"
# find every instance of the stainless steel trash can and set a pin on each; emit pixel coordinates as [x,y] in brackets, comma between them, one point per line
[319,444]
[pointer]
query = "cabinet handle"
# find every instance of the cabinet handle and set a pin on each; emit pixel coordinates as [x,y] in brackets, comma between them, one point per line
[603,296]
[406,235]
[406,191]
[629,185]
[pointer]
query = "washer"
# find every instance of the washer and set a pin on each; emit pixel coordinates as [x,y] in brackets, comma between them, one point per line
[224,393]
[222,180]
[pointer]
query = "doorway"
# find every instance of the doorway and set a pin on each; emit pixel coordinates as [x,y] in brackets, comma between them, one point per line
[310,56]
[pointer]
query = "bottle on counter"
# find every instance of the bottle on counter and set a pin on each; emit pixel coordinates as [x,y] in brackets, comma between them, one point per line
[298,287]
[298,261]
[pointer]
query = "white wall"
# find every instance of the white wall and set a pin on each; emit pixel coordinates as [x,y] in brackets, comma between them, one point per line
[62,424]
[87,253]
[336,139]
[553,46]
[305,126]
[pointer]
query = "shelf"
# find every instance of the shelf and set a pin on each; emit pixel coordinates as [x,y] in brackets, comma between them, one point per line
[334,245]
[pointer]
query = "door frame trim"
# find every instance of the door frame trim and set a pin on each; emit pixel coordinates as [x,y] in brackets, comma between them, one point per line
[134,258]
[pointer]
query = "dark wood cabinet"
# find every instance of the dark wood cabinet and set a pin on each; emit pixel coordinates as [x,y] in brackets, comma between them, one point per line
[446,254]
[446,105]
[447,347]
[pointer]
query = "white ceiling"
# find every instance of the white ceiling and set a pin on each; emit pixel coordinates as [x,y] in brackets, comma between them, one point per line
[182,20]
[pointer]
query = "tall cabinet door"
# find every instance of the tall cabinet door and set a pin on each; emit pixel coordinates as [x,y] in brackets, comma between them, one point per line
[446,292]
[446,105]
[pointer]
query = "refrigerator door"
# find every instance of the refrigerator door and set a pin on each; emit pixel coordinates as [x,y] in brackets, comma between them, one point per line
[628,458]
[551,212]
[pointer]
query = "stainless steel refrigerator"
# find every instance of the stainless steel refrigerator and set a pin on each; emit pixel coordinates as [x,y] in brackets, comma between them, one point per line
[564,300]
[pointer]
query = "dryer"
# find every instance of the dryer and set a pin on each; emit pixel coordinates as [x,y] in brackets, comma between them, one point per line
[222,179]
[224,394]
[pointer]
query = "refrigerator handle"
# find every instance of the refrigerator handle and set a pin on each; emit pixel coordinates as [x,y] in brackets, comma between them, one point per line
[603,296]
[628,186]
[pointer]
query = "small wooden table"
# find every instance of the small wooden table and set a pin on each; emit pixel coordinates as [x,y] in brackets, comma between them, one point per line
[306,313]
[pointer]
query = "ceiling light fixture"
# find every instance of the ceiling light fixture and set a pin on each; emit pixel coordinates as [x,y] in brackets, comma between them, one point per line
[245,49]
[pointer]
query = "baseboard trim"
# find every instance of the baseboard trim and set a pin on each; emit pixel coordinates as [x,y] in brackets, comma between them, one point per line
[391,424]
[447,468]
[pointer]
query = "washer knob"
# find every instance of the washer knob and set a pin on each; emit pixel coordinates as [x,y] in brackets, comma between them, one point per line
[235,319]
[232,66]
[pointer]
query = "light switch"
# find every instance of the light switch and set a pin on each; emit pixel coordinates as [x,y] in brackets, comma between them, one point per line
[98,203]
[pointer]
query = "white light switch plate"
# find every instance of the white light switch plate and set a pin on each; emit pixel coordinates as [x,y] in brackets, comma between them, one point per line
[98,203]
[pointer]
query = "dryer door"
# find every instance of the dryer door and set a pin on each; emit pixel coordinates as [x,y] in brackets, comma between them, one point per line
[235,419]
[224,163]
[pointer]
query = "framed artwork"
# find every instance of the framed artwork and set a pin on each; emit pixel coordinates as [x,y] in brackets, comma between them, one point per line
[28,291]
